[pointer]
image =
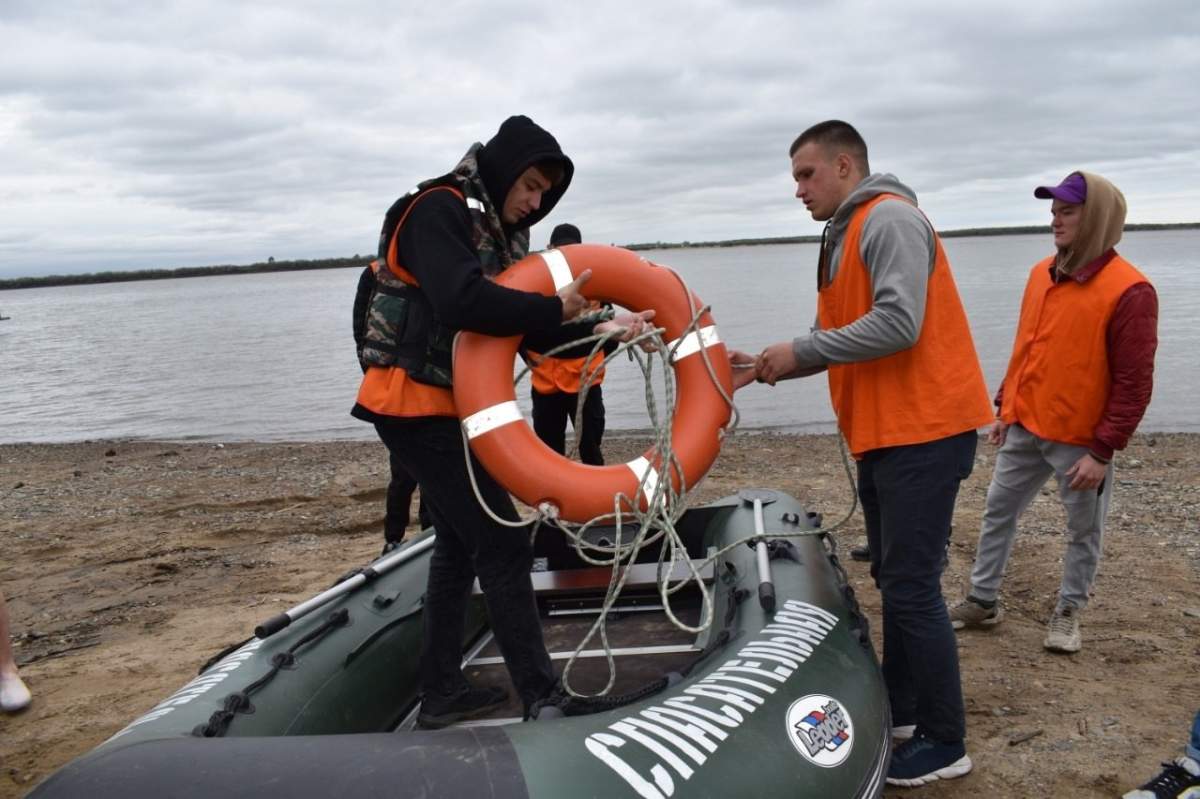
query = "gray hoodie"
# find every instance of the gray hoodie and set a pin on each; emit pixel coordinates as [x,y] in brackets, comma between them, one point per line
[897,245]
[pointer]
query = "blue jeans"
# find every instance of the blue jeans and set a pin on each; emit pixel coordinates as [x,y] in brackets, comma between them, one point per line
[470,543]
[908,496]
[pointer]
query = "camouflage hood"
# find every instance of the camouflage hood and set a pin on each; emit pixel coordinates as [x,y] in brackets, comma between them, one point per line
[498,249]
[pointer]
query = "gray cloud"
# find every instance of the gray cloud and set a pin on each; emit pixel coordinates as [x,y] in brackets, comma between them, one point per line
[137,136]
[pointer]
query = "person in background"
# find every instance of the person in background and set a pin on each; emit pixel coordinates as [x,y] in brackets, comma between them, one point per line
[441,245]
[908,392]
[861,552]
[1078,383]
[401,485]
[1180,778]
[14,695]
[558,379]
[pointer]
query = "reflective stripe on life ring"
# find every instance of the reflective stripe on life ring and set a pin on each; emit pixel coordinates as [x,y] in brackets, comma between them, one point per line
[488,419]
[512,453]
[693,342]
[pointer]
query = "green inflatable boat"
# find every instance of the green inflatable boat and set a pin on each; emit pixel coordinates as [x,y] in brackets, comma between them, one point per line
[781,696]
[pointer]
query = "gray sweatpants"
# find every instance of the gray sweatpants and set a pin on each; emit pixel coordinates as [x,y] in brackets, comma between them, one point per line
[1023,465]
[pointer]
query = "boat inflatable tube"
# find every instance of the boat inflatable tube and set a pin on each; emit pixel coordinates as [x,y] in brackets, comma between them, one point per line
[536,474]
[788,704]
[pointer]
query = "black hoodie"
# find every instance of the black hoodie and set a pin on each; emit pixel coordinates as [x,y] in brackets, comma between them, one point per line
[518,145]
[435,244]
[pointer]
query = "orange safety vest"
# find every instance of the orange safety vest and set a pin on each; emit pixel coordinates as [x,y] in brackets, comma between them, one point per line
[388,390]
[929,391]
[1058,381]
[551,374]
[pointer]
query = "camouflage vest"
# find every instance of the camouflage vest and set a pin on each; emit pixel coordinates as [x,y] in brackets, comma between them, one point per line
[402,327]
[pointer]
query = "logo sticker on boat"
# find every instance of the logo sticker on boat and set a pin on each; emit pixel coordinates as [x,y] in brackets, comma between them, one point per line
[657,748]
[820,729]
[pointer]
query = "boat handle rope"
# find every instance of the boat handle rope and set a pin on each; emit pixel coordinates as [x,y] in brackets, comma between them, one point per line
[859,624]
[239,701]
[665,505]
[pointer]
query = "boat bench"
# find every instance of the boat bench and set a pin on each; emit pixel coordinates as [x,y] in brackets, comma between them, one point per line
[595,579]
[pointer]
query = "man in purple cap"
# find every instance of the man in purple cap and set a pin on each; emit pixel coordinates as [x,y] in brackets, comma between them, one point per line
[1078,382]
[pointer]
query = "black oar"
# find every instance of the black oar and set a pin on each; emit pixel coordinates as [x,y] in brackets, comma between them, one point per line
[384,564]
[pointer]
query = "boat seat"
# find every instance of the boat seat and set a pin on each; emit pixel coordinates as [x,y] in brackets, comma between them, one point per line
[595,579]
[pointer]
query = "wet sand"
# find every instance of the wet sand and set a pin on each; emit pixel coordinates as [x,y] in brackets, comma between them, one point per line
[127,564]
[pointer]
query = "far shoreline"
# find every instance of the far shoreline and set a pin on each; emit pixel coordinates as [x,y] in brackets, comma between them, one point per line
[300,265]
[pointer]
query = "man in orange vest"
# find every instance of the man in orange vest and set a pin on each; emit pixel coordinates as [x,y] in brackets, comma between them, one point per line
[558,379]
[441,244]
[908,392]
[401,485]
[1077,385]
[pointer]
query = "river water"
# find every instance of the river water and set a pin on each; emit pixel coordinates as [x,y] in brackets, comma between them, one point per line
[270,357]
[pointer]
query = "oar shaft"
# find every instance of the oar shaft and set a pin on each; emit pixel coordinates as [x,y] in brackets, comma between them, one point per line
[766,586]
[277,623]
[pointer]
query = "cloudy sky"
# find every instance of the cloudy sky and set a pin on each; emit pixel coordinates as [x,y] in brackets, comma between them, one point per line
[137,135]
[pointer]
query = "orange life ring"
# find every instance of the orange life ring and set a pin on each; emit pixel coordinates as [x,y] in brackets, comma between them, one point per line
[512,452]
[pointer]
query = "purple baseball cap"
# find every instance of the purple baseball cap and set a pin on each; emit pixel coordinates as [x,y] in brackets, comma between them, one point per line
[1072,190]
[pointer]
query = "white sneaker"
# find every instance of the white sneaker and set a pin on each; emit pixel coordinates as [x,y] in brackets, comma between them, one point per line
[1062,633]
[904,732]
[14,695]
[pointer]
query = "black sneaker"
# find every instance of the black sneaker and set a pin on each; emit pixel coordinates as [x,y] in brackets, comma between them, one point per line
[439,711]
[1180,779]
[920,760]
[861,553]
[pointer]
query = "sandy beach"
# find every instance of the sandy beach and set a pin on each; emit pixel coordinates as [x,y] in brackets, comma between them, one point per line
[127,564]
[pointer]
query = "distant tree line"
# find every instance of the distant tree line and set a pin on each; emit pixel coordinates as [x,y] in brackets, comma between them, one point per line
[946,234]
[667,245]
[271,265]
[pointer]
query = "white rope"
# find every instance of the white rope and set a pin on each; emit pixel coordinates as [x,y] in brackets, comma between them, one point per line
[665,505]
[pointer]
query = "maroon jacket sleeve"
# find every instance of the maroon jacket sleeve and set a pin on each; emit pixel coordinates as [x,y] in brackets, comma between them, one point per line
[1132,340]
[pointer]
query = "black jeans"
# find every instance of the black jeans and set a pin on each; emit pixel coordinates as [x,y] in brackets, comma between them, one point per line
[399,500]
[470,543]
[551,413]
[908,497]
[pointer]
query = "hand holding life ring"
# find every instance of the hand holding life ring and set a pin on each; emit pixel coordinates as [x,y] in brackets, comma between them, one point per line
[512,452]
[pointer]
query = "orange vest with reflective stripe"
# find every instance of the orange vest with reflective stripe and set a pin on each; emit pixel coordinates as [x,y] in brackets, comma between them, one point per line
[388,390]
[1058,380]
[929,391]
[552,374]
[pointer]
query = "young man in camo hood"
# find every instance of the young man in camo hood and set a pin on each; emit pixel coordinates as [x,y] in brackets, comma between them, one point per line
[440,245]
